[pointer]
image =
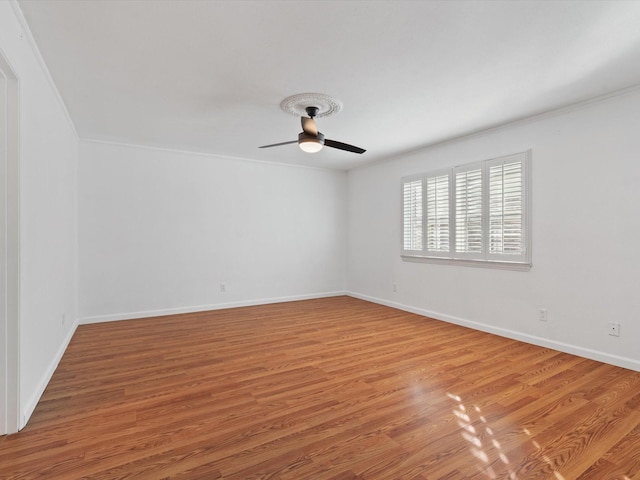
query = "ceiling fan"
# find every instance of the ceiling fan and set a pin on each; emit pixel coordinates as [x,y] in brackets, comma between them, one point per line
[311,140]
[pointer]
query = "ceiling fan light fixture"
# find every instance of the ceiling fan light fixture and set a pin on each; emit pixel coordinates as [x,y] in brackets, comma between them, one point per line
[309,143]
[310,146]
[310,140]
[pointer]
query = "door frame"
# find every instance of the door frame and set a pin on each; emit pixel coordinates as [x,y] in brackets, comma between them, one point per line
[9,250]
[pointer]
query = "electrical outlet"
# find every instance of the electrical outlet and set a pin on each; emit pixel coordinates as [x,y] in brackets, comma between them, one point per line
[395,287]
[64,319]
[614,329]
[543,314]
[223,287]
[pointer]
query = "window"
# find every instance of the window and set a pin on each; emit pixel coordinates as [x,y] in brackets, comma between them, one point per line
[475,214]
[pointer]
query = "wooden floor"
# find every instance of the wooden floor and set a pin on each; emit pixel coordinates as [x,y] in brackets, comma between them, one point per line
[324,389]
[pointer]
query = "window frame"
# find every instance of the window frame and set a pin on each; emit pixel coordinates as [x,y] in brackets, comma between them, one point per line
[485,258]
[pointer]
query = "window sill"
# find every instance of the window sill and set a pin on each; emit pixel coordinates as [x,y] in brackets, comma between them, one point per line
[501,265]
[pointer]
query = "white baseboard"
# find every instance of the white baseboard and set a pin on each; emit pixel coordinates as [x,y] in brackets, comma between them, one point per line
[203,308]
[30,405]
[599,356]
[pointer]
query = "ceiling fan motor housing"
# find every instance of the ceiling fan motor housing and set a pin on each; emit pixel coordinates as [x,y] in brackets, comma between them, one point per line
[312,111]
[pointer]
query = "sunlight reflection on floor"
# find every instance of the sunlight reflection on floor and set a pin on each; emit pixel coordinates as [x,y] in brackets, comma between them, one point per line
[491,452]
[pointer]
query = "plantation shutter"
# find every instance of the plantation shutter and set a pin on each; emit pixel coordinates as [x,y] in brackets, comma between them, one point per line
[437,214]
[476,214]
[412,215]
[469,211]
[507,212]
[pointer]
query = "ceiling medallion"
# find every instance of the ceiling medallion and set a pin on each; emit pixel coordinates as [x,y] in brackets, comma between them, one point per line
[296,104]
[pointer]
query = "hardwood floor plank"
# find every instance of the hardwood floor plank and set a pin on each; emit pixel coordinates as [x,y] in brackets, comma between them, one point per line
[327,389]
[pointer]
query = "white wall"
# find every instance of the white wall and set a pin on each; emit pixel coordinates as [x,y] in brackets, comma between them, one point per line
[48,235]
[586,225]
[160,230]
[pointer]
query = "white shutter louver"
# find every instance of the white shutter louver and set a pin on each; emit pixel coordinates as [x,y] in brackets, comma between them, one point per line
[412,215]
[437,213]
[469,211]
[506,213]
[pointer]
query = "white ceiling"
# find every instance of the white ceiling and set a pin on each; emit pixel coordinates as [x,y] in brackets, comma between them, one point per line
[208,76]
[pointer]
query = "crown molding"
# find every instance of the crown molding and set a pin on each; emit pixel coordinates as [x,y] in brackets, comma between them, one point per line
[569,108]
[22,21]
[197,153]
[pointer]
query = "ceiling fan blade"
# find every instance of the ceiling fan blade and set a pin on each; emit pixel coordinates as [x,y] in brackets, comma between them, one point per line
[343,146]
[278,144]
[309,126]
